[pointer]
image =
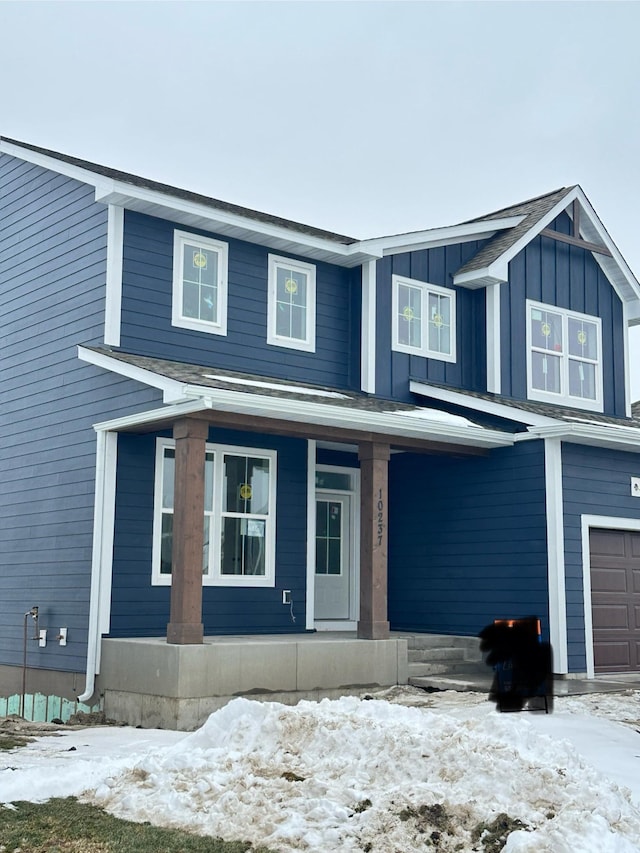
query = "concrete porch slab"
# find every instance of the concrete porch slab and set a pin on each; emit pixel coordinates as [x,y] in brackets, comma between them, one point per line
[150,683]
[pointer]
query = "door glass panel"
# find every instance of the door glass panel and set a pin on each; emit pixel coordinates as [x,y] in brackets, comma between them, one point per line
[333,480]
[328,537]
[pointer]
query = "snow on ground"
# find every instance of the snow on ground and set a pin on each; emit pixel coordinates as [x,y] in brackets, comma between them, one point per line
[397,773]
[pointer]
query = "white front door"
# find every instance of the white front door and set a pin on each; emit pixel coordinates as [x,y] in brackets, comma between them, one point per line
[333,579]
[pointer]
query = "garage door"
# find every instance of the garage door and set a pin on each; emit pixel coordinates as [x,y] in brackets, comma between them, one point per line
[615,600]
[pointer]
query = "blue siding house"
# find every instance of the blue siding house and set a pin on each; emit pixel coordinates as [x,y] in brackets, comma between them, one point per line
[244,454]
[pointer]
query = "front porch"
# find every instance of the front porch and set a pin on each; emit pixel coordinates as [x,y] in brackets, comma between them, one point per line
[154,684]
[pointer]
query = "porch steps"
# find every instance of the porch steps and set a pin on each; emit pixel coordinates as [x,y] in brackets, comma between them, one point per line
[443,662]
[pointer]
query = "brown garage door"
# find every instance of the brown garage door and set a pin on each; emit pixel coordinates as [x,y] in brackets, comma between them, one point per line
[615,600]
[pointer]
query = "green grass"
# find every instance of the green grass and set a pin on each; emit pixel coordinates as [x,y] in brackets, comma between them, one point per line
[67,826]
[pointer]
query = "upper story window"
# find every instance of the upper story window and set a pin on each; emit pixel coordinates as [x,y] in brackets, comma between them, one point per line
[292,304]
[199,283]
[239,515]
[564,357]
[424,319]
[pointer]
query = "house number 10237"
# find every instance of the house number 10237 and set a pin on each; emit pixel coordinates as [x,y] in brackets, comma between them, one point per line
[380,509]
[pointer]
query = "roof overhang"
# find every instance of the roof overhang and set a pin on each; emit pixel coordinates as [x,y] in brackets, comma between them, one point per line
[415,425]
[610,436]
[591,230]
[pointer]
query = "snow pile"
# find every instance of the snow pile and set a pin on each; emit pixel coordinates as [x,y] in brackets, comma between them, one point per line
[353,775]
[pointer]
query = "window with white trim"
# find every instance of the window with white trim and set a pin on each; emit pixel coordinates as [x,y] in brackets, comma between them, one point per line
[564,357]
[423,318]
[239,515]
[199,283]
[292,304]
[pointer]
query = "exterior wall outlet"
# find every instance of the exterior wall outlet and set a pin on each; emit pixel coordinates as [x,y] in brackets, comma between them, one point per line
[635,487]
[42,637]
[62,636]
[286,596]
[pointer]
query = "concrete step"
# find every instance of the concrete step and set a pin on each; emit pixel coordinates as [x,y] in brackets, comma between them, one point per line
[436,654]
[461,681]
[430,641]
[422,668]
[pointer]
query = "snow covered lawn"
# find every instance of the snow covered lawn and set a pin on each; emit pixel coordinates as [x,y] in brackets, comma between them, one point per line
[404,771]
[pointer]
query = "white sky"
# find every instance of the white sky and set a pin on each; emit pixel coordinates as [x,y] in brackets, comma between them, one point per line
[363,118]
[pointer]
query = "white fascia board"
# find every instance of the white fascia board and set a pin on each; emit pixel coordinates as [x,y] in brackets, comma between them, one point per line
[433,238]
[151,416]
[477,404]
[85,176]
[613,437]
[113,296]
[171,389]
[322,414]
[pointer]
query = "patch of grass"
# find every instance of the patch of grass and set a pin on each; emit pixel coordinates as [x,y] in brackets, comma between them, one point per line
[493,836]
[67,826]
[13,741]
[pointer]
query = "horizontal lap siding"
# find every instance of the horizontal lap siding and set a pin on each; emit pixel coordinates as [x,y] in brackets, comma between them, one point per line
[140,609]
[596,481]
[52,274]
[434,266]
[467,540]
[569,277]
[146,312]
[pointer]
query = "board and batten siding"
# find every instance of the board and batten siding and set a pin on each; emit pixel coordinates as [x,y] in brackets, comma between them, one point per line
[142,610]
[53,240]
[146,312]
[467,540]
[596,481]
[434,266]
[568,277]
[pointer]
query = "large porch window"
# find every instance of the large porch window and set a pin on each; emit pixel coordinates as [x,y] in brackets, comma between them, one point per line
[239,515]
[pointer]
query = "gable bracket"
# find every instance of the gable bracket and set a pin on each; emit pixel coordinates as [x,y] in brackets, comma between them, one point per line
[575,241]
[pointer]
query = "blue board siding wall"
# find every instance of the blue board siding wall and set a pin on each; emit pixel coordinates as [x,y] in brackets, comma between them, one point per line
[146,312]
[559,274]
[467,540]
[52,272]
[141,610]
[435,266]
[596,481]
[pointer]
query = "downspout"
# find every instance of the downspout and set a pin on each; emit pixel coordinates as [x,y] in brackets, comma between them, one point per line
[102,554]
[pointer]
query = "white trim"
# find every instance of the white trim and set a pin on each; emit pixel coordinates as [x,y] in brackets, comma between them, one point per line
[221,250]
[555,553]
[564,397]
[500,410]
[171,389]
[494,338]
[426,290]
[216,515]
[432,238]
[167,414]
[626,360]
[596,435]
[113,293]
[308,343]
[311,533]
[102,554]
[368,330]
[586,523]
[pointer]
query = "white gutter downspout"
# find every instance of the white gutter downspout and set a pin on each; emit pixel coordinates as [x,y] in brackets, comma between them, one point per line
[102,554]
[555,554]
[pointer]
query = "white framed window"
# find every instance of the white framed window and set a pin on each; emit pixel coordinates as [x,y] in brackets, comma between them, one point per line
[239,515]
[423,318]
[199,283]
[564,357]
[292,304]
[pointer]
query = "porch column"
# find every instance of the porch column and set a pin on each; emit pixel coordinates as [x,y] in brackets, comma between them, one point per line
[374,479]
[185,620]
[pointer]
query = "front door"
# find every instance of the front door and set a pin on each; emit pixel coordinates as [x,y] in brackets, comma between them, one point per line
[333,556]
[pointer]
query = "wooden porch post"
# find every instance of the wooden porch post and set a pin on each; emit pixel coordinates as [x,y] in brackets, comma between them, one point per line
[374,480]
[185,620]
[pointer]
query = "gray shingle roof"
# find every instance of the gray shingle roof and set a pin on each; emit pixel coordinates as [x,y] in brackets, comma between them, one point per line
[533,210]
[187,195]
